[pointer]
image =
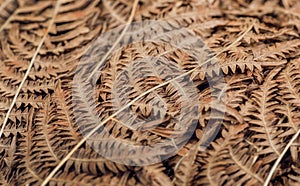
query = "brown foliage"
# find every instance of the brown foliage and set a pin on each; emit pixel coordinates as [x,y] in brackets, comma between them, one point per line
[243,132]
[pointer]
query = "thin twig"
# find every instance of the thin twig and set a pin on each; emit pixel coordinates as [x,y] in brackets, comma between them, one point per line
[117,41]
[280,158]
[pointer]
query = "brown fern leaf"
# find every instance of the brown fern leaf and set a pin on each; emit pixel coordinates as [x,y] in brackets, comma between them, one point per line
[261,116]
[295,168]
[64,37]
[290,119]
[223,166]
[87,160]
[149,92]
[66,178]
[36,148]
[154,175]
[290,83]
[124,78]
[65,123]
[186,167]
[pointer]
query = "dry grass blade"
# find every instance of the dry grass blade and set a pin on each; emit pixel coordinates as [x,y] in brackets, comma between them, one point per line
[243,34]
[273,170]
[135,4]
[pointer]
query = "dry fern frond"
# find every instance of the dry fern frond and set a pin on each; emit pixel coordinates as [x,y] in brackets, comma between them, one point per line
[261,116]
[86,160]
[223,166]
[290,83]
[89,88]
[154,175]
[186,168]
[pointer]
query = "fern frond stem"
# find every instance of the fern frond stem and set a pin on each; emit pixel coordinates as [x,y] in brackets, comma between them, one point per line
[280,158]
[243,167]
[30,66]
[7,20]
[135,3]
[68,156]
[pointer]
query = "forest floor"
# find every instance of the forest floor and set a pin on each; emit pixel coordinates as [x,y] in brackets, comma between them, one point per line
[150,92]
